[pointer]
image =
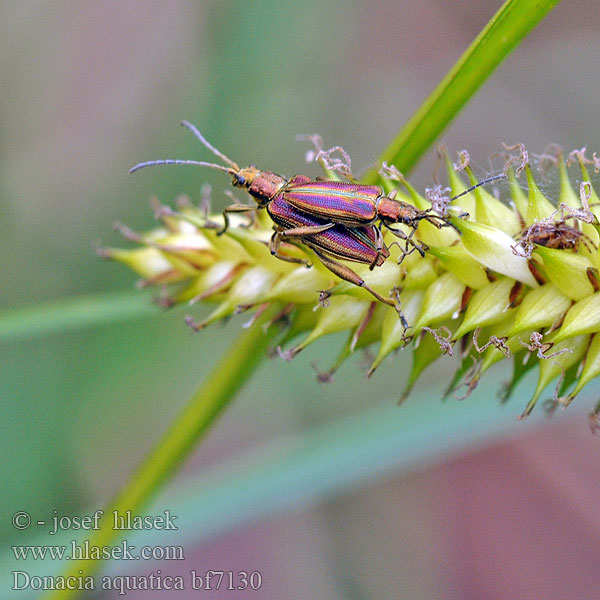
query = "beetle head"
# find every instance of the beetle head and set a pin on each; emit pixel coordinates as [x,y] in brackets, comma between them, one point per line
[244,178]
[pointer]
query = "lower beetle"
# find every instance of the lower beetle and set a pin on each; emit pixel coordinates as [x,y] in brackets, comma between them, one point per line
[328,241]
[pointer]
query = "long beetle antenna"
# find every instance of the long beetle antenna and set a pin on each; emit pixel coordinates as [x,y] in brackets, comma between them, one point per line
[232,169]
[426,214]
[480,183]
[208,145]
[177,161]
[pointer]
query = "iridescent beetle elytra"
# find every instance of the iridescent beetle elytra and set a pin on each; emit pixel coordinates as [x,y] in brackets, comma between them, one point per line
[335,219]
[356,245]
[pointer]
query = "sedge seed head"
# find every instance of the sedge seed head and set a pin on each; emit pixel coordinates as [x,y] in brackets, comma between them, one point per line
[497,277]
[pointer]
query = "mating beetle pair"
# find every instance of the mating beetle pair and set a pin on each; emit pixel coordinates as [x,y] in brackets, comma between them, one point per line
[337,220]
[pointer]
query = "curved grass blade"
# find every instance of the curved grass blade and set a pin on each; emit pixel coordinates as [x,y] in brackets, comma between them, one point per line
[70,314]
[509,26]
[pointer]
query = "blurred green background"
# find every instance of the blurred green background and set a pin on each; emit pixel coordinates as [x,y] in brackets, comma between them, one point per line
[89,89]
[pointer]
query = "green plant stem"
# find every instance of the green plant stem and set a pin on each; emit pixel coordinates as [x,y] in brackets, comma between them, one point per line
[509,26]
[183,435]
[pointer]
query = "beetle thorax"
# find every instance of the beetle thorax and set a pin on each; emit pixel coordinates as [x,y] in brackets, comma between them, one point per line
[396,211]
[388,210]
[261,185]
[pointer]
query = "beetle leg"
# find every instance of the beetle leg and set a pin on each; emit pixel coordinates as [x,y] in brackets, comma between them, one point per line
[379,248]
[251,222]
[274,244]
[346,273]
[306,230]
[588,243]
[419,247]
[409,241]
[234,208]
[398,233]
[435,220]
[441,222]
[405,251]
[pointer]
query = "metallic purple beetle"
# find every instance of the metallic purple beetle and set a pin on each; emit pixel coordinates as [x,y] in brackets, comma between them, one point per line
[335,219]
[350,204]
